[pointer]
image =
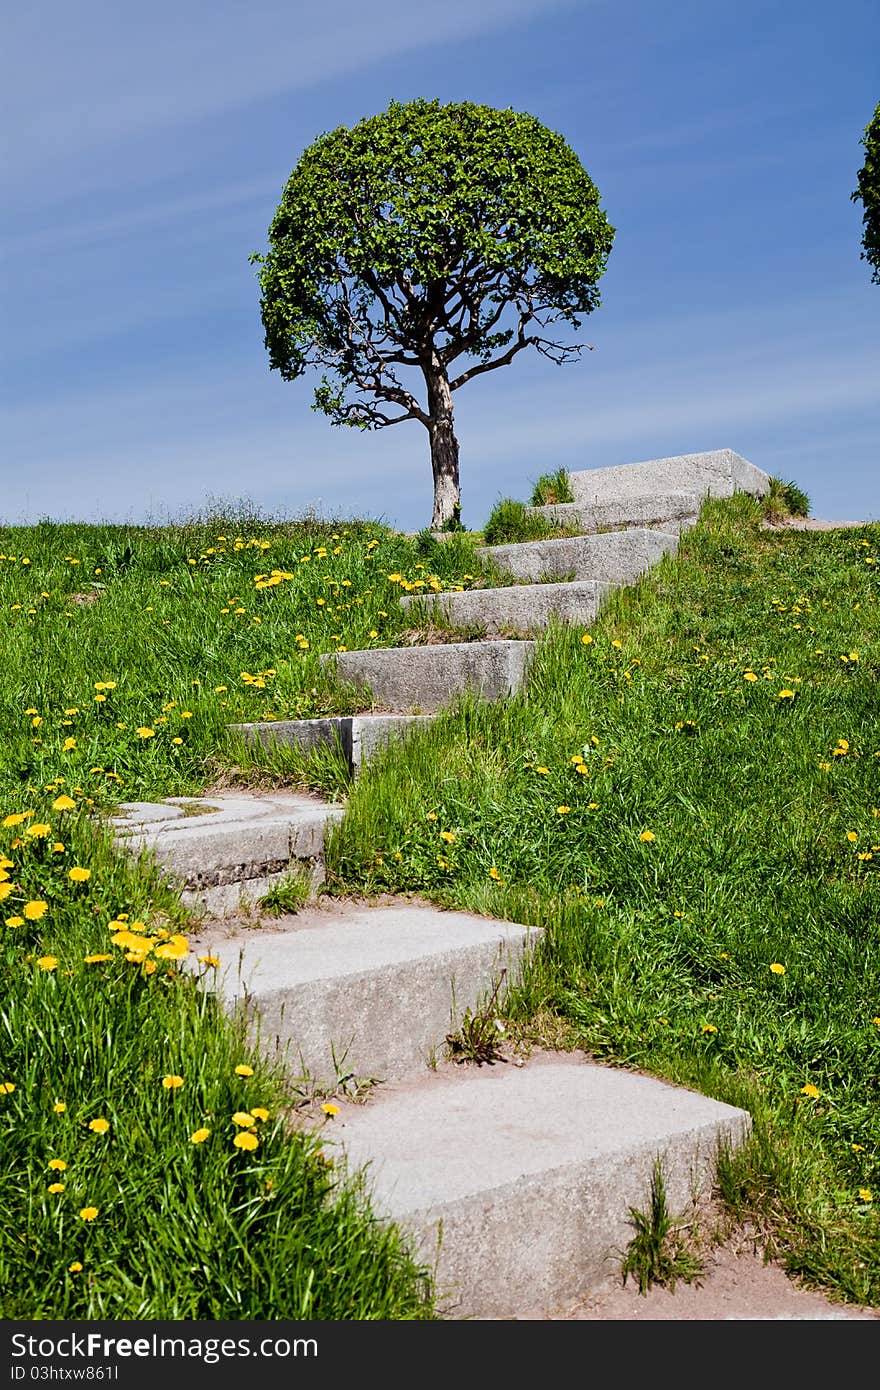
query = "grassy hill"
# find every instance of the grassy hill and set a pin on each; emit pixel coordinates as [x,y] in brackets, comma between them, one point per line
[688,799]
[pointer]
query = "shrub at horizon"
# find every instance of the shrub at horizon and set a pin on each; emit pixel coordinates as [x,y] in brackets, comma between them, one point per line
[423,237]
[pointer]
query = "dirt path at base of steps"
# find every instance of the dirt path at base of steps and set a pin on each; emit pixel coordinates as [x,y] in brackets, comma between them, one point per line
[737,1286]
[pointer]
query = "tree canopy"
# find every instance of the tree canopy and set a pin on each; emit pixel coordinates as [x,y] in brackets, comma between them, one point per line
[868,193]
[435,242]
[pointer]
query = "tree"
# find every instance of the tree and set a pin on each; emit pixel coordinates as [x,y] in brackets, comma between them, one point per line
[432,240]
[868,193]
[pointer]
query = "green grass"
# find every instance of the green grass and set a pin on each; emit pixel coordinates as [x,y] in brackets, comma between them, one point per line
[727,819]
[512,521]
[658,950]
[551,489]
[127,697]
[784,500]
[189,639]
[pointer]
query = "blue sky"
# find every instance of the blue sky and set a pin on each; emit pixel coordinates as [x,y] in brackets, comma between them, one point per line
[151,145]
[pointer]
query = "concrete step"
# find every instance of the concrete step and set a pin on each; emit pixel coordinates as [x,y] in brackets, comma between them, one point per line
[358,736]
[520,608]
[229,849]
[423,679]
[719,473]
[370,990]
[668,511]
[525,1175]
[614,558]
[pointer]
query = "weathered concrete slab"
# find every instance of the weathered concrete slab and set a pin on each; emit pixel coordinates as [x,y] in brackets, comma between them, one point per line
[616,557]
[519,608]
[378,987]
[718,473]
[423,679]
[222,849]
[358,736]
[526,1175]
[665,510]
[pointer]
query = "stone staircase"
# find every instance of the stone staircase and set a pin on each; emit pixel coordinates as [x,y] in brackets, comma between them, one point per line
[514,1182]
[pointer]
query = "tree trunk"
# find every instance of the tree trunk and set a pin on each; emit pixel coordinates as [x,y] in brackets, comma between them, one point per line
[444,447]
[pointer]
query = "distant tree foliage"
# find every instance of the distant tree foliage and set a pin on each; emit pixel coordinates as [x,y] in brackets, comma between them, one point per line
[424,247]
[868,194]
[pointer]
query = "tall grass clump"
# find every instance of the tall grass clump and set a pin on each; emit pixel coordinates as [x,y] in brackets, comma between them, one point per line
[551,489]
[784,500]
[514,521]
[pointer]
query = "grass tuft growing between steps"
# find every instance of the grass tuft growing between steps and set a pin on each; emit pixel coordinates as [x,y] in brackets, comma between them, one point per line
[688,801]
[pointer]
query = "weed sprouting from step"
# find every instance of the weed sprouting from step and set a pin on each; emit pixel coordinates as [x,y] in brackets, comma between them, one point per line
[551,489]
[480,1034]
[659,1252]
[288,896]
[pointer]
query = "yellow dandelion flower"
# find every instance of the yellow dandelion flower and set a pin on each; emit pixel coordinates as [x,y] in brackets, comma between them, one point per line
[647,836]
[88,1213]
[246,1141]
[199,1136]
[777,969]
[38,831]
[55,1187]
[172,1082]
[15,818]
[330,1109]
[59,1107]
[63,803]
[542,770]
[448,836]
[174,949]
[260,1112]
[852,836]
[562,810]
[493,873]
[47,962]
[876,1022]
[177,740]
[79,875]
[58,1165]
[99,1125]
[144,731]
[749,676]
[68,745]
[97,958]
[243,1118]
[35,909]
[209,960]
[865,1194]
[786,694]
[75,1268]
[708,1028]
[244,1070]
[586,639]
[810,1090]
